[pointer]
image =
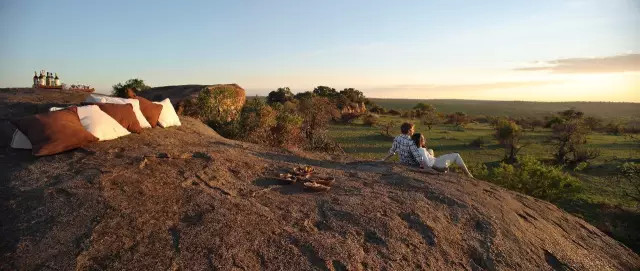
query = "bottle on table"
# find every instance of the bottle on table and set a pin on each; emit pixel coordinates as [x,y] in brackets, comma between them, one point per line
[41,79]
[35,79]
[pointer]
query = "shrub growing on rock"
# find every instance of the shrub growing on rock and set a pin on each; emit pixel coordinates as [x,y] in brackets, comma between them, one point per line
[479,170]
[536,179]
[316,112]
[256,120]
[286,132]
[321,141]
[218,105]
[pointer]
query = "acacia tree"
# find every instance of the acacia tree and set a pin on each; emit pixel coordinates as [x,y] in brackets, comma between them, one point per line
[387,127]
[569,135]
[458,118]
[508,133]
[120,89]
[431,118]
[316,112]
[424,107]
[593,123]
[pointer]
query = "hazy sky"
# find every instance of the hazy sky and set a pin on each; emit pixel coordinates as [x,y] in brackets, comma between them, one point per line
[499,50]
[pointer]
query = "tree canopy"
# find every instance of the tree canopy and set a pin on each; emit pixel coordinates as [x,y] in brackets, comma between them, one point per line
[136,84]
[508,133]
[281,95]
[424,107]
[353,95]
[324,91]
[304,95]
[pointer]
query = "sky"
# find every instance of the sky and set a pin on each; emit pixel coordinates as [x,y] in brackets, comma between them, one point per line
[545,50]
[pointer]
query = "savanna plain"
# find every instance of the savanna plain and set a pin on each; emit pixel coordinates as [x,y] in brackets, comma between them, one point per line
[602,198]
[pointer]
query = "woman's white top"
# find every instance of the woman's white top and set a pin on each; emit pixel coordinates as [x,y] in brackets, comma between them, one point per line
[427,157]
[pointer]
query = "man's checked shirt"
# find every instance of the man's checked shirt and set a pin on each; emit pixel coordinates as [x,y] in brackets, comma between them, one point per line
[407,150]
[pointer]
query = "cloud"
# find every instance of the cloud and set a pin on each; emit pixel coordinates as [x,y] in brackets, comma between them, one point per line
[468,87]
[608,64]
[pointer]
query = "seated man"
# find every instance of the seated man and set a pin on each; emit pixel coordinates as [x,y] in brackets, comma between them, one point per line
[405,148]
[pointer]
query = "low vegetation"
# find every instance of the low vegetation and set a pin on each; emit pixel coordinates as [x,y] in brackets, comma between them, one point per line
[629,177]
[120,89]
[370,119]
[289,120]
[508,133]
[532,177]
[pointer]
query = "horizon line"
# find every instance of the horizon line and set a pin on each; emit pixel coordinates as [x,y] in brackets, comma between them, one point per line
[416,99]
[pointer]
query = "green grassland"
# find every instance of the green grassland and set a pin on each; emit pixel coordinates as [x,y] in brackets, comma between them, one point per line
[605,110]
[602,201]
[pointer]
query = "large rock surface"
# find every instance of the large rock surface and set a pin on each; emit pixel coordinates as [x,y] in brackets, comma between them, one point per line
[186,198]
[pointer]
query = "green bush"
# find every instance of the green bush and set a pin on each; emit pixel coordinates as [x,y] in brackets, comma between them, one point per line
[256,120]
[321,141]
[216,105]
[120,89]
[281,95]
[629,176]
[316,112]
[508,133]
[394,112]
[479,142]
[479,170]
[536,179]
[349,117]
[286,132]
[230,129]
[377,109]
[615,128]
[370,119]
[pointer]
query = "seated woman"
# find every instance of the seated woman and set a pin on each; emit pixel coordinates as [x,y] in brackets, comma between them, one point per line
[440,163]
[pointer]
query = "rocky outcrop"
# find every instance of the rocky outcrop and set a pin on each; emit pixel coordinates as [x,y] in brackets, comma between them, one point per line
[228,99]
[184,198]
[354,108]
